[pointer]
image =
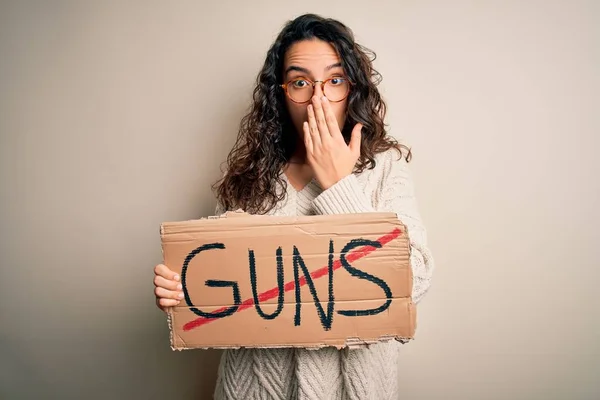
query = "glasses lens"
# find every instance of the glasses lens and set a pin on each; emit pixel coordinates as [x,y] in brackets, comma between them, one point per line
[300,90]
[336,89]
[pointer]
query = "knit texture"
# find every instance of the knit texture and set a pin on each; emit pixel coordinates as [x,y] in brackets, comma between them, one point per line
[328,373]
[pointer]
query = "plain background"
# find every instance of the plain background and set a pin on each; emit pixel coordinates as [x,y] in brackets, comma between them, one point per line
[115,117]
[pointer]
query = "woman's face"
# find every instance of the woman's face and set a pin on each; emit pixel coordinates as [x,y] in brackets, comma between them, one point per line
[315,60]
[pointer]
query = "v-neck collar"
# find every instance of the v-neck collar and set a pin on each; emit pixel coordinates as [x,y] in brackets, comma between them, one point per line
[310,183]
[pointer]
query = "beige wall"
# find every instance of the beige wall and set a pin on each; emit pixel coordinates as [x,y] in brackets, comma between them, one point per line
[114,118]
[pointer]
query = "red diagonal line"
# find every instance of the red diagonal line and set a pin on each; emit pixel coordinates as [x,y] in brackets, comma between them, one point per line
[354,255]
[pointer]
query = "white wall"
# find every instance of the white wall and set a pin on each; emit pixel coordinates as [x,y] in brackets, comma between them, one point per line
[114,118]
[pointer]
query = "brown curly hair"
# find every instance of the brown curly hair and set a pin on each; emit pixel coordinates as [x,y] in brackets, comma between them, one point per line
[267,138]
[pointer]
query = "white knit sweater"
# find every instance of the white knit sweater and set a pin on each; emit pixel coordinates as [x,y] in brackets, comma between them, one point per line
[360,374]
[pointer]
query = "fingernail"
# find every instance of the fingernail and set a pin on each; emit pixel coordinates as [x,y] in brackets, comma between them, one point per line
[325,98]
[180,295]
[179,287]
[176,277]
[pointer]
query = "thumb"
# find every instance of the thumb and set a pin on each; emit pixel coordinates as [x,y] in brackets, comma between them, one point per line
[355,139]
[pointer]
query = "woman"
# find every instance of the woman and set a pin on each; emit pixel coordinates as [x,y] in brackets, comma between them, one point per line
[315,142]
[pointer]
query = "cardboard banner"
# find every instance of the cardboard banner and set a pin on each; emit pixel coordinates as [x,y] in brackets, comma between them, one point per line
[308,281]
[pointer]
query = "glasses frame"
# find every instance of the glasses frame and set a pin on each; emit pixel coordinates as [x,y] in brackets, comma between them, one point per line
[314,83]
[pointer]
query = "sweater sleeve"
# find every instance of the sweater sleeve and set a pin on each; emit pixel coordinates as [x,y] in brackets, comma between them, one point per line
[394,192]
[219,209]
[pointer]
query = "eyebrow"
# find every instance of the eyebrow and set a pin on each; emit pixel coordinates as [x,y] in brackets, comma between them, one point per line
[306,71]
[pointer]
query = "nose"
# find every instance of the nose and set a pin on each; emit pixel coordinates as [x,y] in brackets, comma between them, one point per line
[318,90]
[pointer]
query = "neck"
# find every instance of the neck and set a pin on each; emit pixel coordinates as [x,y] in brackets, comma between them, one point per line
[299,154]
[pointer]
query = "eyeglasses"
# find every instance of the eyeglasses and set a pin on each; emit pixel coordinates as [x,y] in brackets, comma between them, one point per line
[300,90]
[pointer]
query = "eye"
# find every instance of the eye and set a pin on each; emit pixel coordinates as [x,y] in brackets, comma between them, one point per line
[337,81]
[300,83]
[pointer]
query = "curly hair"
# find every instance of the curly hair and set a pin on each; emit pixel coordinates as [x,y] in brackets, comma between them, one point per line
[267,138]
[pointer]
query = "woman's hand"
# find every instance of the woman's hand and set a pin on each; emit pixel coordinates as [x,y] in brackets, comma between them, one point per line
[168,289]
[326,151]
